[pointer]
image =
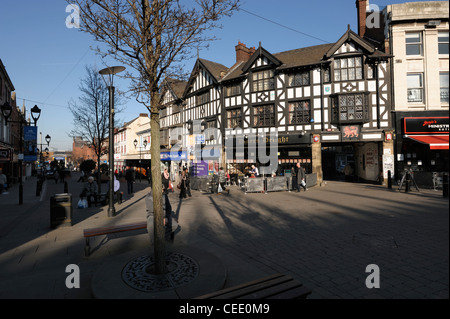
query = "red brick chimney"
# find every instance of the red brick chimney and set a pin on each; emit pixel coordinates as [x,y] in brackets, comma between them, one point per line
[361,6]
[243,53]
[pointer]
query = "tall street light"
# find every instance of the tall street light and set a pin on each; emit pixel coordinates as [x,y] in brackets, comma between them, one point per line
[108,77]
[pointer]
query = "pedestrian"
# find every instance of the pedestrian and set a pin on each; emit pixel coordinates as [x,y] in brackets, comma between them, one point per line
[222,180]
[61,175]
[255,171]
[130,177]
[3,181]
[165,177]
[81,179]
[182,184]
[90,191]
[301,177]
[56,176]
[188,182]
[295,185]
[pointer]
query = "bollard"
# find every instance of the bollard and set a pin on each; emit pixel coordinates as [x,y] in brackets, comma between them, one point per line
[389,180]
[445,185]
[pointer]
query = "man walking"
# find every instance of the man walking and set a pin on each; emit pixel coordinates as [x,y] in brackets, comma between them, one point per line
[129,176]
[301,177]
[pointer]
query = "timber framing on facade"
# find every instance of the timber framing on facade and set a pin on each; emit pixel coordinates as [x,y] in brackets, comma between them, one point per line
[324,94]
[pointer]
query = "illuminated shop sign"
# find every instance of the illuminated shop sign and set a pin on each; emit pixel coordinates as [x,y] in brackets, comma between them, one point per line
[421,125]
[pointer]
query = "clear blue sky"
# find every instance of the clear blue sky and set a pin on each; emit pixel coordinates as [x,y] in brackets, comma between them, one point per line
[45,60]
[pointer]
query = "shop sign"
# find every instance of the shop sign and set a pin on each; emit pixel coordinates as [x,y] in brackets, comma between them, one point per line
[30,146]
[284,139]
[5,155]
[350,132]
[421,125]
[200,168]
[173,156]
[388,137]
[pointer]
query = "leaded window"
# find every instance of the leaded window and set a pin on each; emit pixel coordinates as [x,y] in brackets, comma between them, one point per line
[298,79]
[353,108]
[348,69]
[233,90]
[264,115]
[202,98]
[234,118]
[299,112]
[263,80]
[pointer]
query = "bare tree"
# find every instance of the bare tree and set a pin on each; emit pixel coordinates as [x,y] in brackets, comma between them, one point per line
[90,114]
[153,37]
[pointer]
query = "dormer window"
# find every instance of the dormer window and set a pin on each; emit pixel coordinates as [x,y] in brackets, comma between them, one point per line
[263,80]
[348,69]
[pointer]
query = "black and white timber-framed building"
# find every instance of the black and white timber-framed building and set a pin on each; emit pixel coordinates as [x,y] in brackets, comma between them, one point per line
[326,104]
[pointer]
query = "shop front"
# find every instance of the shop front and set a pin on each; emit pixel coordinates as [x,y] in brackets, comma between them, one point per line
[422,146]
[366,153]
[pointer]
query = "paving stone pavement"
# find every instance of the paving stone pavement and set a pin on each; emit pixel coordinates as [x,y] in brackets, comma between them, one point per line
[324,237]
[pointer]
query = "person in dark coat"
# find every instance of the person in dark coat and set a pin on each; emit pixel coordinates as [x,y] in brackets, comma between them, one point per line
[130,177]
[295,185]
[188,182]
[183,184]
[165,178]
[90,191]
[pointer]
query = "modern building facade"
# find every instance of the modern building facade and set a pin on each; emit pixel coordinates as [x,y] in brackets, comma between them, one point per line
[126,153]
[417,33]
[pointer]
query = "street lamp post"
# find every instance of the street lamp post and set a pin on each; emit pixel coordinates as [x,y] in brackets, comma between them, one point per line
[6,109]
[145,146]
[135,142]
[47,139]
[108,77]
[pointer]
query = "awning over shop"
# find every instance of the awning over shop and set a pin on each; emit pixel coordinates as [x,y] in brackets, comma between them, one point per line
[436,142]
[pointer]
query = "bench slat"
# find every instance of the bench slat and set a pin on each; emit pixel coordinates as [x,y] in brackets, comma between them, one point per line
[277,286]
[113,229]
[272,290]
[256,288]
[235,288]
[298,293]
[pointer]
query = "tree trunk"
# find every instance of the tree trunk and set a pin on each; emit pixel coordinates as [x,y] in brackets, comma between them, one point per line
[158,221]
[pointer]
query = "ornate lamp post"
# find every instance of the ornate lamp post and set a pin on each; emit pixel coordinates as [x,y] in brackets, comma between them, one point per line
[35,114]
[47,139]
[6,109]
[135,142]
[108,77]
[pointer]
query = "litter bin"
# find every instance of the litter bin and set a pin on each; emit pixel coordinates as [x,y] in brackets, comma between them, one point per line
[61,210]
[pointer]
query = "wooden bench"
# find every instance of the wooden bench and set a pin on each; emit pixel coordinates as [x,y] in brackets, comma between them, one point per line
[277,286]
[92,232]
